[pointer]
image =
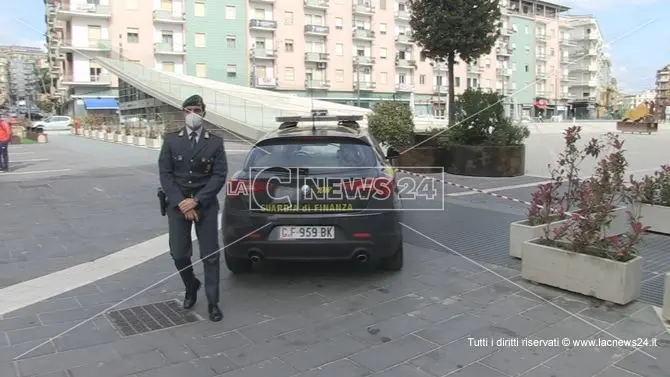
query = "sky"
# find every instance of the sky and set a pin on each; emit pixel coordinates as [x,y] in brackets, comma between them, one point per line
[634,33]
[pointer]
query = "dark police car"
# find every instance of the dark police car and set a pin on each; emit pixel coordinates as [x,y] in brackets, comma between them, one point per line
[317,189]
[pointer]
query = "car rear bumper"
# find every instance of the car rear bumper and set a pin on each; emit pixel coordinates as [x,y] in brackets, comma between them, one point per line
[375,235]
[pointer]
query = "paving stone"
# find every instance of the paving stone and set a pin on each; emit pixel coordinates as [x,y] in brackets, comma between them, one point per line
[331,328]
[274,327]
[339,368]
[268,368]
[220,363]
[10,352]
[344,306]
[393,290]
[543,371]
[521,326]
[258,352]
[616,372]
[190,369]
[453,356]
[46,306]
[294,305]
[125,366]
[484,278]
[324,352]
[547,313]
[403,370]
[392,353]
[477,370]
[216,344]
[172,348]
[398,306]
[517,360]
[643,324]
[69,315]
[441,310]
[396,327]
[612,313]
[486,295]
[536,291]
[65,360]
[505,308]
[445,288]
[17,323]
[85,336]
[585,360]
[7,369]
[638,362]
[453,329]
[571,327]
[4,339]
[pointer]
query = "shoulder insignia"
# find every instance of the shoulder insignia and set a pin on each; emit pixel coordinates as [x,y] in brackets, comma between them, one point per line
[206,135]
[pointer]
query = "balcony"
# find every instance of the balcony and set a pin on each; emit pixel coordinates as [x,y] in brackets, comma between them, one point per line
[92,80]
[404,87]
[168,17]
[363,35]
[168,49]
[256,24]
[318,30]
[541,75]
[504,72]
[364,85]
[403,39]
[541,56]
[439,67]
[506,32]
[402,15]
[316,4]
[364,60]
[67,11]
[266,82]
[263,53]
[565,60]
[317,84]
[317,57]
[92,45]
[363,10]
[565,42]
[543,93]
[405,63]
[440,89]
[503,51]
[542,37]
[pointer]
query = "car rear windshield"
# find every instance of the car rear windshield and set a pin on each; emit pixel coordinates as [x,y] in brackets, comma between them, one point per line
[317,155]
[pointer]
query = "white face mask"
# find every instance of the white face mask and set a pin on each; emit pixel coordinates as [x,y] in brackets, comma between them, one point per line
[193,121]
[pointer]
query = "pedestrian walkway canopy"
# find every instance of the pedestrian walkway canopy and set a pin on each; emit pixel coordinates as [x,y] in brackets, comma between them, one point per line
[101,104]
[247,112]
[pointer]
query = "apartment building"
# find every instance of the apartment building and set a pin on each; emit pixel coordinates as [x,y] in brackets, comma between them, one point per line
[663,88]
[148,32]
[4,81]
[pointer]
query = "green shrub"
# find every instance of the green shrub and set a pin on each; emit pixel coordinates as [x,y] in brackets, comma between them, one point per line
[481,120]
[392,123]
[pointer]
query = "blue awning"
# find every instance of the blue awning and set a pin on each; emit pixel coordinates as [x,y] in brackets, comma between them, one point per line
[101,104]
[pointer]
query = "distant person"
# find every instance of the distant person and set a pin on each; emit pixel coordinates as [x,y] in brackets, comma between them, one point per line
[5,139]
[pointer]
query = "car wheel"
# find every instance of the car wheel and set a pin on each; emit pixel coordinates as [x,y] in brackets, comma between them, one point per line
[237,265]
[394,262]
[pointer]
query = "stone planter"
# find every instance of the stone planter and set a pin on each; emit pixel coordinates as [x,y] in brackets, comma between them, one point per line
[154,143]
[485,160]
[101,135]
[129,139]
[109,136]
[606,279]
[657,217]
[666,298]
[78,131]
[423,159]
[140,141]
[521,231]
[87,133]
[118,138]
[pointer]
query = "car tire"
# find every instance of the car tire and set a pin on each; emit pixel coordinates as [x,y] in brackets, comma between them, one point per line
[237,265]
[394,262]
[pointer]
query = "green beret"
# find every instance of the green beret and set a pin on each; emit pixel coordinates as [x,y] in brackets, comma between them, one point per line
[194,100]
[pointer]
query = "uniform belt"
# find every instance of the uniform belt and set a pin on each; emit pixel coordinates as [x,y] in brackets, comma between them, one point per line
[189,193]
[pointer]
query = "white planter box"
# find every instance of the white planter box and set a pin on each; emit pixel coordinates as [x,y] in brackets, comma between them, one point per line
[109,136]
[118,138]
[78,131]
[140,141]
[154,143]
[666,298]
[87,133]
[520,232]
[101,135]
[606,279]
[129,139]
[657,217]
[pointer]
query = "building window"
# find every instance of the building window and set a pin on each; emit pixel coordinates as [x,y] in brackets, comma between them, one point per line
[527,68]
[231,12]
[457,82]
[339,23]
[339,75]
[231,41]
[402,78]
[382,4]
[289,74]
[288,45]
[95,71]
[382,29]
[339,49]
[132,34]
[201,70]
[168,66]
[288,18]
[199,8]
[200,40]
[422,80]
[382,53]
[384,78]
[167,38]
[422,56]
[231,71]
[166,5]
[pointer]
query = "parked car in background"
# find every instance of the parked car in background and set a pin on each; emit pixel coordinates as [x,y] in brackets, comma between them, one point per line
[53,123]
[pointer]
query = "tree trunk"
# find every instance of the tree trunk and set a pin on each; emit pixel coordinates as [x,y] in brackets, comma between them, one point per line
[451,62]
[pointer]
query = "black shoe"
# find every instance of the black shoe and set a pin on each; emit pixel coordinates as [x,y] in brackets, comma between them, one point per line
[215,314]
[191,295]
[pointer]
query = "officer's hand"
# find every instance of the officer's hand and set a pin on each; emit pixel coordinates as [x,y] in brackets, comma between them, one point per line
[187,204]
[191,215]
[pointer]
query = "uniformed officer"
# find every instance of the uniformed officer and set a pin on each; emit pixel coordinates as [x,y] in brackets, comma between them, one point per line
[193,169]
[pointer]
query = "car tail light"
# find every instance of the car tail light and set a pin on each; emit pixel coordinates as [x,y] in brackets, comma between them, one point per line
[245,187]
[381,187]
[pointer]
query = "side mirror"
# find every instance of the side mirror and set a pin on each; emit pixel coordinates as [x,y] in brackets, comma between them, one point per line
[392,154]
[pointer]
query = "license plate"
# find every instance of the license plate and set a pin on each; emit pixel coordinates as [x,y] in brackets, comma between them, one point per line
[306,232]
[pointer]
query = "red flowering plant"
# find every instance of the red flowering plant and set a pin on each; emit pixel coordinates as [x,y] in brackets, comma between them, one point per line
[552,200]
[655,189]
[587,230]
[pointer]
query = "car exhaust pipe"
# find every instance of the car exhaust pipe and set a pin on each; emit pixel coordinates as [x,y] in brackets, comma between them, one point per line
[254,257]
[361,256]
